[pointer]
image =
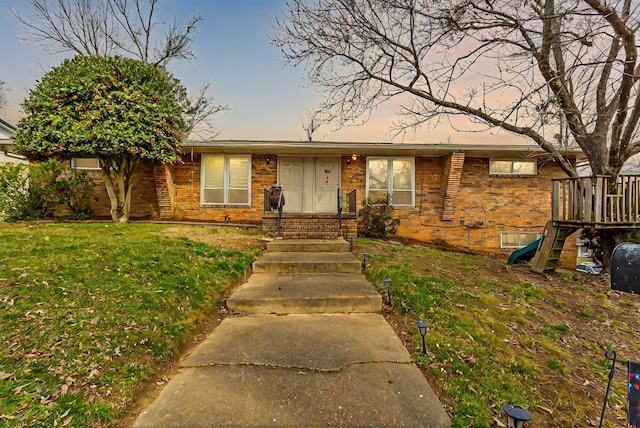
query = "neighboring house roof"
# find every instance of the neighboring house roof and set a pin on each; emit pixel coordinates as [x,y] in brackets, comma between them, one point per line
[365,149]
[7,131]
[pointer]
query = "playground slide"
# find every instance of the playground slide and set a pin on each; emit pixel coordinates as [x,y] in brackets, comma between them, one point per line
[524,254]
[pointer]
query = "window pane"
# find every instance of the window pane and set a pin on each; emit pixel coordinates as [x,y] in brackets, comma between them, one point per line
[213,196]
[402,175]
[401,197]
[238,196]
[500,167]
[86,163]
[509,240]
[527,238]
[377,196]
[524,167]
[239,172]
[378,175]
[213,172]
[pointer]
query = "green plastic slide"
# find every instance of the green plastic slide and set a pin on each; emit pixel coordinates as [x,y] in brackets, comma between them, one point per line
[524,254]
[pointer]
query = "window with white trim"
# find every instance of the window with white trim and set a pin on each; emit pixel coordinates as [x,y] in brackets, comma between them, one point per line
[512,167]
[517,239]
[85,163]
[583,250]
[226,180]
[392,176]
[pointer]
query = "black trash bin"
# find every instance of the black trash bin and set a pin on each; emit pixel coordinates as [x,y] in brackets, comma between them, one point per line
[625,268]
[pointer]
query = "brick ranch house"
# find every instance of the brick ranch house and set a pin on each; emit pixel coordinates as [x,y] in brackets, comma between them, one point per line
[494,198]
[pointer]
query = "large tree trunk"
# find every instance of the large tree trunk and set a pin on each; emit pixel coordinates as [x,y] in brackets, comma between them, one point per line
[119,184]
[608,241]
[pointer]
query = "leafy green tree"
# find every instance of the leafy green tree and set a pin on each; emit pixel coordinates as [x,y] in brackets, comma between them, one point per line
[119,110]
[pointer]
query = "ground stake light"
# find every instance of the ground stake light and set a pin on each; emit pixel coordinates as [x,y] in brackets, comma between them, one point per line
[387,284]
[516,416]
[422,328]
[364,261]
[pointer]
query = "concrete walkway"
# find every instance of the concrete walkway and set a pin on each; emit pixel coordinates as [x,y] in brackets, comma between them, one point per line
[311,353]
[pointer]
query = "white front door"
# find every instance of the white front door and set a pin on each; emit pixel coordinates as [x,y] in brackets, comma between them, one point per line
[291,174]
[327,181]
[310,184]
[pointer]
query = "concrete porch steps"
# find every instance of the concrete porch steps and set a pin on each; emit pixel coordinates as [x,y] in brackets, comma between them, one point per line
[305,293]
[308,245]
[307,262]
[306,276]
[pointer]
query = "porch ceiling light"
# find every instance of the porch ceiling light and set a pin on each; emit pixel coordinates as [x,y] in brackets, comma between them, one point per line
[422,328]
[354,157]
[516,416]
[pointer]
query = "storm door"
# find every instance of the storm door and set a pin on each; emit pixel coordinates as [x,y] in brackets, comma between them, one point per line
[309,183]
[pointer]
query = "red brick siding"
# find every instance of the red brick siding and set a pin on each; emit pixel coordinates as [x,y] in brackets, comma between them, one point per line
[503,204]
[187,188]
[144,203]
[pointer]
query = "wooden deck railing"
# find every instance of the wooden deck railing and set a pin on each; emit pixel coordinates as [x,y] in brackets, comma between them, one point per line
[597,200]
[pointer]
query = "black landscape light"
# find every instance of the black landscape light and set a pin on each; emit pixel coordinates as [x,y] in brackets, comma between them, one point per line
[364,261]
[422,327]
[516,416]
[387,284]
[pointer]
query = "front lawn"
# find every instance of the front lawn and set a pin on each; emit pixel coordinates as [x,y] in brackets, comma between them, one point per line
[502,334]
[88,312]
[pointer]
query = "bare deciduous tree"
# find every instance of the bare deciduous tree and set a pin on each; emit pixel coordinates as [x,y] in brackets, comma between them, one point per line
[533,68]
[125,27]
[3,99]
[311,125]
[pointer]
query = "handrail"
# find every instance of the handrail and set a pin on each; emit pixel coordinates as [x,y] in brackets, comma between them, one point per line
[270,204]
[267,204]
[339,210]
[351,196]
[280,205]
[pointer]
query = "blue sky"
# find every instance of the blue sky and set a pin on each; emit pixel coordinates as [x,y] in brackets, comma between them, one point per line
[267,98]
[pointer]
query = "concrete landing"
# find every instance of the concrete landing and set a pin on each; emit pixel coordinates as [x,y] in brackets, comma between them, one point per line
[298,370]
[305,293]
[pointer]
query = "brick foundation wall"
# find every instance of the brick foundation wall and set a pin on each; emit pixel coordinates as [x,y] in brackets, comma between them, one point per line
[311,226]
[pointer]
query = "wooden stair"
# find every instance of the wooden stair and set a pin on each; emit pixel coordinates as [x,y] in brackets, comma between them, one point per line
[547,257]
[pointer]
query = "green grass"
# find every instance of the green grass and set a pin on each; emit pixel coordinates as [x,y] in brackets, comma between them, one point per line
[89,311]
[502,337]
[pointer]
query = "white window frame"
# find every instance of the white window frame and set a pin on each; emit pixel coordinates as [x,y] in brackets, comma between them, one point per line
[390,160]
[74,166]
[226,187]
[512,173]
[515,247]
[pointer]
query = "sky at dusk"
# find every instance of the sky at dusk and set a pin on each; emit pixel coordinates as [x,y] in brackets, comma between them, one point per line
[268,100]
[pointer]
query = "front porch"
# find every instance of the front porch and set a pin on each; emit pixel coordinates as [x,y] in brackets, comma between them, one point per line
[343,222]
